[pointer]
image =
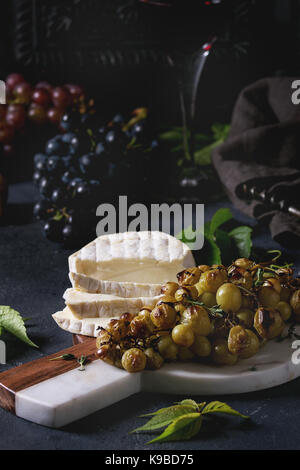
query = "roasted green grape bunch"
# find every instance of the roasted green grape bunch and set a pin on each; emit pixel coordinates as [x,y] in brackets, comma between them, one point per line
[212,314]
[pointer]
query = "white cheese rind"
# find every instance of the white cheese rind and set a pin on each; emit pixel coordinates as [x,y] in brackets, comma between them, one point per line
[87,326]
[144,257]
[87,305]
[121,289]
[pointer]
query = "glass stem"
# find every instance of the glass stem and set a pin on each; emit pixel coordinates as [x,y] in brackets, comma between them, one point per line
[185,125]
[186,141]
[188,90]
[196,66]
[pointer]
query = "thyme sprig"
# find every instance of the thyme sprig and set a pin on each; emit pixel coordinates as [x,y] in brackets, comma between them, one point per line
[215,311]
[65,357]
[82,360]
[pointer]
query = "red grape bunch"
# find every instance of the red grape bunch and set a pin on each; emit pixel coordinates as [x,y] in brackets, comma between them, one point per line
[39,104]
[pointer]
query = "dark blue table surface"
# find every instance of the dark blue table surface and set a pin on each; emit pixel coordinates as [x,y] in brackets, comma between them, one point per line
[33,277]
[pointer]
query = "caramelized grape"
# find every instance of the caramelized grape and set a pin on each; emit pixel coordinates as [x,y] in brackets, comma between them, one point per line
[163,316]
[189,277]
[211,280]
[169,288]
[244,263]
[295,302]
[183,292]
[134,360]
[154,359]
[268,323]
[198,319]
[284,309]
[242,342]
[268,297]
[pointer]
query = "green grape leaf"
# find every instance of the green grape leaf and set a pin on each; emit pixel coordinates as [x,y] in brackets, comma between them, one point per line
[11,321]
[211,249]
[165,416]
[220,407]
[199,137]
[201,405]
[189,402]
[173,135]
[175,149]
[220,131]
[241,237]
[181,429]
[188,235]
[225,245]
[219,218]
[220,246]
[203,156]
[183,420]
[212,252]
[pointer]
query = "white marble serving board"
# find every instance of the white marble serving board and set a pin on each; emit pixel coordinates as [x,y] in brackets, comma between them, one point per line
[75,394]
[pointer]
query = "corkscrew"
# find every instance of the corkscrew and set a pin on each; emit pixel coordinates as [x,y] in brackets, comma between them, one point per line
[276,201]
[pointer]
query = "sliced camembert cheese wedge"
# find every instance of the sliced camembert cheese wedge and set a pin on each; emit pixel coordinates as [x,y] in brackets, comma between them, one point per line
[88,326]
[121,289]
[88,305]
[144,257]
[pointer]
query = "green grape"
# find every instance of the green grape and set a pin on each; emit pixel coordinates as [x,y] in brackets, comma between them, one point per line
[201,346]
[183,335]
[229,297]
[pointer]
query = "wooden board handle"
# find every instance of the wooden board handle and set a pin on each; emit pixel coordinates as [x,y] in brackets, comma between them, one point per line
[39,370]
[55,393]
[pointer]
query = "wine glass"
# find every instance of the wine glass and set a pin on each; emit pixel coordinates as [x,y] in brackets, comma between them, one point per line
[187,58]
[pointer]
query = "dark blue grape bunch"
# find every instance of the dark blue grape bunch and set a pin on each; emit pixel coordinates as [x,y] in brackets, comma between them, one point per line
[90,163]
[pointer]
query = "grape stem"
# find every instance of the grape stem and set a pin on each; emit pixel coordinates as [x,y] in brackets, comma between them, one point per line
[250,293]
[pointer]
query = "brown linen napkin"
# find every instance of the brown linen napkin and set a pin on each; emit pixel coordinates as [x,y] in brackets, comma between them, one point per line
[263,150]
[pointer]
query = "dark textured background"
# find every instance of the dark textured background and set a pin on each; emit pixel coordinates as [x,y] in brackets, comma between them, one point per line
[33,277]
[117,50]
[38,38]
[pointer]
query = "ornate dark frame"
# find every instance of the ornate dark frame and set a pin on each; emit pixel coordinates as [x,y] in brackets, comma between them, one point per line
[123,38]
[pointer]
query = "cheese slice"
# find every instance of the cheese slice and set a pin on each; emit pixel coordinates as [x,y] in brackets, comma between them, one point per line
[121,289]
[87,326]
[143,257]
[88,305]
